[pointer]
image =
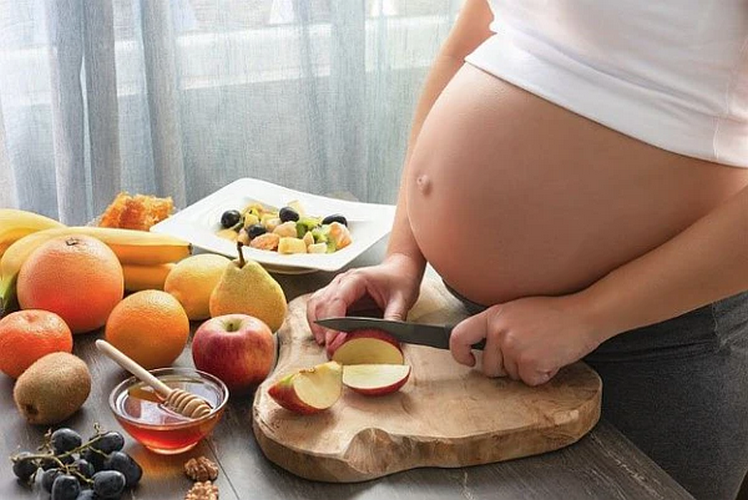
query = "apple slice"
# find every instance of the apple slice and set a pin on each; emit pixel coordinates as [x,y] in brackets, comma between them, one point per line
[368,347]
[375,380]
[310,390]
[339,340]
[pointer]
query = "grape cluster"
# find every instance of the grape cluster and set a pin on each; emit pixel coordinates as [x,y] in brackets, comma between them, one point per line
[70,469]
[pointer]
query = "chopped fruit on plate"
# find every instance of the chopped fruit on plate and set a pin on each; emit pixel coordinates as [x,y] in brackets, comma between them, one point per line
[265,228]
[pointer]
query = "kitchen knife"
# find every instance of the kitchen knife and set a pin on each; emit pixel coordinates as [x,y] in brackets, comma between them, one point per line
[410,333]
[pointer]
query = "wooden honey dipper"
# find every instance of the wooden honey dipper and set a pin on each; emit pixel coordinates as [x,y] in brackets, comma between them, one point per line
[181,401]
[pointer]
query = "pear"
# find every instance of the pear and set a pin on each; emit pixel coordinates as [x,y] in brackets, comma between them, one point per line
[247,288]
[52,389]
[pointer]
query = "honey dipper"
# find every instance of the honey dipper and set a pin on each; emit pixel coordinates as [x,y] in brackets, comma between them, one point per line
[181,401]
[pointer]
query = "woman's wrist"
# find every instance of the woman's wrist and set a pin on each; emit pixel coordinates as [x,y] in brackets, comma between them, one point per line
[411,264]
[596,312]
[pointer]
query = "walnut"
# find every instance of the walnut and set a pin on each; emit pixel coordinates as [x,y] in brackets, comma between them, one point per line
[202,491]
[201,469]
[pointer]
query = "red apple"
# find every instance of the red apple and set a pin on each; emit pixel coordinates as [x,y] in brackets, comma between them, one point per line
[237,348]
[375,380]
[368,347]
[311,390]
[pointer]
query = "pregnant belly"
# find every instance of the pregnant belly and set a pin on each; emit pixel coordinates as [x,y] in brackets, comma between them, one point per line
[509,195]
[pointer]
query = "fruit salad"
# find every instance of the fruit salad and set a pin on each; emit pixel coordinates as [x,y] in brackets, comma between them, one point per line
[286,231]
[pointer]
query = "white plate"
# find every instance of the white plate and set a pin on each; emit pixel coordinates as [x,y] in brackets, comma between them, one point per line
[198,224]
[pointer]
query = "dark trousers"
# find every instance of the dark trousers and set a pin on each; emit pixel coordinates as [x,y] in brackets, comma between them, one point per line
[679,391]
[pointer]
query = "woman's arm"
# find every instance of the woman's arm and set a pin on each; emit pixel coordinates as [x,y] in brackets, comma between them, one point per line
[393,285]
[469,31]
[705,263]
[532,338]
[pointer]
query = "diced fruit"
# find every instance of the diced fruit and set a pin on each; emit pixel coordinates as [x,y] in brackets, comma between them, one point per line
[296,205]
[375,380]
[335,218]
[230,218]
[251,220]
[340,235]
[243,237]
[310,390]
[288,214]
[317,248]
[308,239]
[272,223]
[306,224]
[291,245]
[368,347]
[256,230]
[291,221]
[267,241]
[286,230]
[320,234]
[267,217]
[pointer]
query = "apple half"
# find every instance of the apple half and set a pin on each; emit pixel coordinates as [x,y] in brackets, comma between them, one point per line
[310,390]
[375,380]
[373,347]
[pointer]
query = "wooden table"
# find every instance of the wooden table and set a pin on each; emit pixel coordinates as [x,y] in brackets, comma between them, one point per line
[603,464]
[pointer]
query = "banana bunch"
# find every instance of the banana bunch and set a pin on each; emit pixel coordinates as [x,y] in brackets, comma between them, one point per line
[149,251]
[15,224]
[146,277]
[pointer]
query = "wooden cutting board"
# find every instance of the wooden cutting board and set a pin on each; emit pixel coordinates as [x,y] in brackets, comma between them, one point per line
[446,415]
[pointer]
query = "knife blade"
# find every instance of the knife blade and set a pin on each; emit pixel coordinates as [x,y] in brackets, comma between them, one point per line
[410,333]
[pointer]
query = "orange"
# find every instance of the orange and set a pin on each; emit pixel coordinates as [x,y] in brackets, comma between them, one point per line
[77,277]
[149,326]
[26,336]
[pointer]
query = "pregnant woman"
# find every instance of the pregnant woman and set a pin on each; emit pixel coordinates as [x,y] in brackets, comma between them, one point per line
[576,173]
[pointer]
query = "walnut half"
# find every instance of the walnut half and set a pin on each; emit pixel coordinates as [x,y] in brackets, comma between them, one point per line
[201,469]
[202,491]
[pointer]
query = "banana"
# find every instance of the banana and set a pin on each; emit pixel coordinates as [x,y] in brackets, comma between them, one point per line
[15,224]
[145,277]
[130,246]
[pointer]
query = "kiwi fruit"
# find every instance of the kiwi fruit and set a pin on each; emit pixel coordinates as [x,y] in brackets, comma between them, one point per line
[52,389]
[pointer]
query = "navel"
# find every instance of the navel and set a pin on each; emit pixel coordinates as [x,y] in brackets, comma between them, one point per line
[423,182]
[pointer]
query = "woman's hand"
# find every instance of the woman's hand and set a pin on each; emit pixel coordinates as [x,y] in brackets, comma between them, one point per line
[393,286]
[528,339]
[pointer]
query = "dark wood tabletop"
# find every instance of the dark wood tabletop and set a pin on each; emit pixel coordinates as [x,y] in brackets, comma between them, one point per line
[603,464]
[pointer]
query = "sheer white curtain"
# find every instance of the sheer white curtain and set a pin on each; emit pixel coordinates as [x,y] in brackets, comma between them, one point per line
[180,97]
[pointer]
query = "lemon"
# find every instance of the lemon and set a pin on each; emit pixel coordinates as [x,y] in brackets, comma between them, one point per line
[192,281]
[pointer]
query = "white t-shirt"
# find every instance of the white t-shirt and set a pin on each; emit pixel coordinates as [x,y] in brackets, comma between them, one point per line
[672,73]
